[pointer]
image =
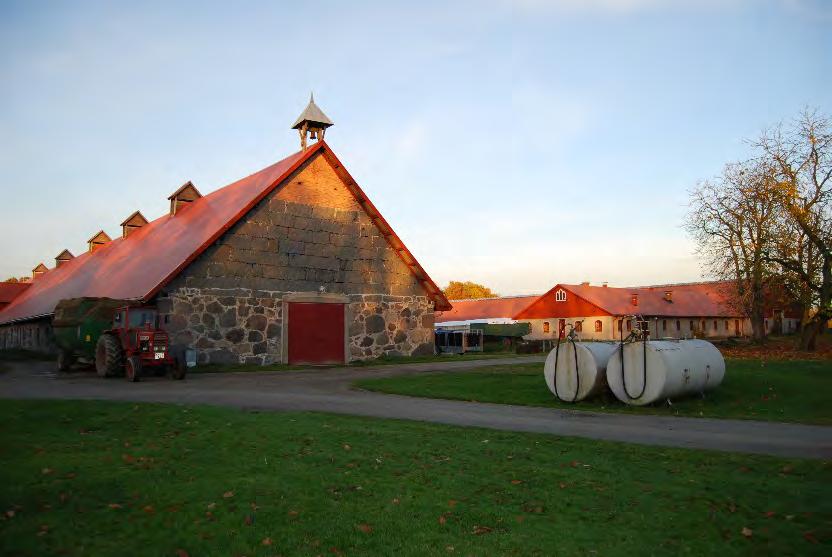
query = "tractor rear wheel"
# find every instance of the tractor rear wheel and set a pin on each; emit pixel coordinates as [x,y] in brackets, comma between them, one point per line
[133,368]
[65,360]
[109,358]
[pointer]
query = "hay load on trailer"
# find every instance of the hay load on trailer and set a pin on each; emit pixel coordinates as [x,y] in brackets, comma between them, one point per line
[120,336]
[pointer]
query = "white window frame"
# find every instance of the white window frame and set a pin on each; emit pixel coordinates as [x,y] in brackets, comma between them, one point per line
[560,296]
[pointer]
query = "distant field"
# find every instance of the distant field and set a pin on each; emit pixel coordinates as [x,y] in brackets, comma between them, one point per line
[116,479]
[787,391]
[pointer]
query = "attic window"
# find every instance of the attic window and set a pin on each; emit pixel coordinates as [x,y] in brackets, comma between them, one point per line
[99,240]
[186,194]
[63,257]
[560,296]
[634,299]
[132,223]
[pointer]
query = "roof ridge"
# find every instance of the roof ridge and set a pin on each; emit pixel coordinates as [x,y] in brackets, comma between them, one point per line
[496,298]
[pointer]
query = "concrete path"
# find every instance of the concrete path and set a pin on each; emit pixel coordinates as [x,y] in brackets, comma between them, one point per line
[328,390]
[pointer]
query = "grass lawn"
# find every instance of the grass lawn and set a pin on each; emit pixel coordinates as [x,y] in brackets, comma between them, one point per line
[787,391]
[96,478]
[382,361]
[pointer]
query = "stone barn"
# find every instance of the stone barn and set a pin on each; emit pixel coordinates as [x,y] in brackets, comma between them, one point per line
[291,264]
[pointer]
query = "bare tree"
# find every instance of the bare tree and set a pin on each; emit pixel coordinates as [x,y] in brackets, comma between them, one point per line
[731,219]
[798,162]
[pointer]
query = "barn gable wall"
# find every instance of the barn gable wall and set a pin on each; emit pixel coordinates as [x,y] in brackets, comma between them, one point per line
[310,233]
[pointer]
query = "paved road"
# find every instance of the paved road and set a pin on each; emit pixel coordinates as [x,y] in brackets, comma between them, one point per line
[328,390]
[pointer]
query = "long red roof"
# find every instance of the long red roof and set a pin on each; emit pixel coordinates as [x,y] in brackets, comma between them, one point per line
[138,266]
[11,290]
[485,308]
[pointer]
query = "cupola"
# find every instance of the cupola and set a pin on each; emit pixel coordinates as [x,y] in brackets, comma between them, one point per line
[312,122]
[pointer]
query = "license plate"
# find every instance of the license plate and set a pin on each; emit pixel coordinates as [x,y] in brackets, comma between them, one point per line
[160,355]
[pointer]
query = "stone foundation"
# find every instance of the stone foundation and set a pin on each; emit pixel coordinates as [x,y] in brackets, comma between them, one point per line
[246,326]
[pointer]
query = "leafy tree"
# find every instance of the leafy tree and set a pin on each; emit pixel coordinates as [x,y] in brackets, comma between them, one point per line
[457,290]
[798,158]
[12,279]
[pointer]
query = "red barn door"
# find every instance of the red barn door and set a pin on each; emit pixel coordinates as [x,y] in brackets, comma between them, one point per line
[316,333]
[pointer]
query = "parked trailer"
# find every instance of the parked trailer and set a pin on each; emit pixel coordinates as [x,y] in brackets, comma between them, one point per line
[674,368]
[456,341]
[571,383]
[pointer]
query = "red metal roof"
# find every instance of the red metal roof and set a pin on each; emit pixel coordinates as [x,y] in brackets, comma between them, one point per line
[11,290]
[138,266]
[485,308]
[703,299]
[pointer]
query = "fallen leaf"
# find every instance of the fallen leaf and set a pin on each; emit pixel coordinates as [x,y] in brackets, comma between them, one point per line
[293,513]
[149,509]
[732,507]
[181,553]
[266,541]
[10,513]
[46,471]
[366,528]
[810,537]
[248,520]
[395,501]
[769,514]
[480,530]
[347,447]
[114,506]
[228,494]
[442,520]
[254,506]
[562,485]
[212,505]
[787,469]
[747,532]
[516,482]
[452,503]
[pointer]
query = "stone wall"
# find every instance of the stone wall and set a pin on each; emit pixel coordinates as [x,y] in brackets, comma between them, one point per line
[310,234]
[31,335]
[246,326]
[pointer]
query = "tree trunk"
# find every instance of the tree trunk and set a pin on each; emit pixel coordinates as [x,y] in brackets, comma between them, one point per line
[809,335]
[758,330]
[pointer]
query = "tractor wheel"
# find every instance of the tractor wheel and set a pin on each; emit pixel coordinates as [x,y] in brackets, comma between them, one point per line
[65,360]
[109,358]
[132,368]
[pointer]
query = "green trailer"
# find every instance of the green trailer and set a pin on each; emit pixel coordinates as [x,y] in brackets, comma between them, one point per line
[78,324]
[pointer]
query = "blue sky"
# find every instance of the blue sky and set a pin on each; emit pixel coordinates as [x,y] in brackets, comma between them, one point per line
[517,144]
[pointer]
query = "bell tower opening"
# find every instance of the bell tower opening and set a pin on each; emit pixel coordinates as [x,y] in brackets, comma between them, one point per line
[312,123]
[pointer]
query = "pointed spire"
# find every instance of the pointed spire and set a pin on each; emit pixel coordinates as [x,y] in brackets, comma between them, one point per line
[312,122]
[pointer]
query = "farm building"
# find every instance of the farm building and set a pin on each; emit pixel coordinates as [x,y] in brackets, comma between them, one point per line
[599,312]
[290,264]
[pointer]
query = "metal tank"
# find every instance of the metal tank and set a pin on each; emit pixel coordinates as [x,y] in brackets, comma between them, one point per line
[585,380]
[675,368]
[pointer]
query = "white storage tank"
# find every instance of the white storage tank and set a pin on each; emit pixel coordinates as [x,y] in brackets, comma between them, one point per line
[675,368]
[588,379]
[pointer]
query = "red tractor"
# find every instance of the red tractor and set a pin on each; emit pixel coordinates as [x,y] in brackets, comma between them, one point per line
[136,342]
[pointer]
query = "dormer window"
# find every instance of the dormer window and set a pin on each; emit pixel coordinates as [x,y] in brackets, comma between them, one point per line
[560,296]
[132,223]
[183,196]
[100,239]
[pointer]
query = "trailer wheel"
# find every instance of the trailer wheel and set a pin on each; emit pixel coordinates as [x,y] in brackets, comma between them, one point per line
[109,358]
[65,360]
[132,368]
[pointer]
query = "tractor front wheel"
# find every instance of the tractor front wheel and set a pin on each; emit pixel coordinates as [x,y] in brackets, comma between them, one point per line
[109,358]
[132,368]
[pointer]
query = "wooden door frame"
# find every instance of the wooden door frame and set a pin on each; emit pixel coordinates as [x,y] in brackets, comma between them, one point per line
[313,298]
